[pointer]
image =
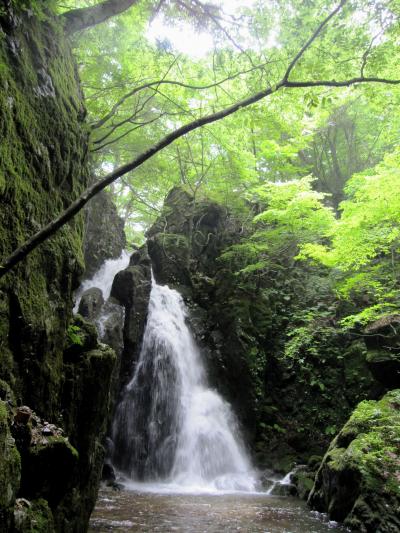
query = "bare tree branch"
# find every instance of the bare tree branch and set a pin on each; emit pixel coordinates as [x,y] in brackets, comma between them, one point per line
[307,45]
[151,84]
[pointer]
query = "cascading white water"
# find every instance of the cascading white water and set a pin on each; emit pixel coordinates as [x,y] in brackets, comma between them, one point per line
[170,425]
[103,278]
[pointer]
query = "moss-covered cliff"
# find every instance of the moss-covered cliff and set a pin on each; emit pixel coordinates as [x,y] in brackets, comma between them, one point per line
[358,481]
[51,448]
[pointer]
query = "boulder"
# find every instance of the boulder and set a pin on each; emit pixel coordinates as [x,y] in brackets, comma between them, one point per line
[131,289]
[91,303]
[81,337]
[48,469]
[358,480]
[33,516]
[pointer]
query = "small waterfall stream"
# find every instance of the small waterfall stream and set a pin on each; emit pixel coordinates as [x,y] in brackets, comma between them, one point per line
[171,426]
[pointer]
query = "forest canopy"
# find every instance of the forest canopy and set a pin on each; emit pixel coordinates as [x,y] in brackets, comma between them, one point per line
[306,155]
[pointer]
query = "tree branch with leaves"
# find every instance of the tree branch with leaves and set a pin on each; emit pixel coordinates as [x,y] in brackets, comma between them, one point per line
[285,83]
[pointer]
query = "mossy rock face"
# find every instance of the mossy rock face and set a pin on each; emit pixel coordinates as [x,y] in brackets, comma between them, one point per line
[49,470]
[10,471]
[33,517]
[358,481]
[81,337]
[43,167]
[170,254]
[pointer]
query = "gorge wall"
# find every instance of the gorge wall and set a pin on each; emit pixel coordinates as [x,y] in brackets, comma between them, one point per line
[54,377]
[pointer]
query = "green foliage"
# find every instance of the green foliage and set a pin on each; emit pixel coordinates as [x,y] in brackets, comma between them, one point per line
[364,243]
[73,335]
[332,133]
[293,214]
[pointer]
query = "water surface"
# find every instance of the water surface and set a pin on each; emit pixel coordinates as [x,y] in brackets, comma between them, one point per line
[134,511]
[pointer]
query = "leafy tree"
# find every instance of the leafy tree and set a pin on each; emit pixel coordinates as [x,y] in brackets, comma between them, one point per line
[135,118]
[365,241]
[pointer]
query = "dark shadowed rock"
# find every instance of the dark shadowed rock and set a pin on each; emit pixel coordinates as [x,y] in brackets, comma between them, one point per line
[104,237]
[131,289]
[91,303]
[382,338]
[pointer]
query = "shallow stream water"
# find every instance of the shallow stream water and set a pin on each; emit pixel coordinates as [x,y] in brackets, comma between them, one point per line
[142,511]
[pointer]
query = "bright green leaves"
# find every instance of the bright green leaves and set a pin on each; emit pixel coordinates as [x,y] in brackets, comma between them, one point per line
[293,215]
[369,223]
[295,209]
[365,241]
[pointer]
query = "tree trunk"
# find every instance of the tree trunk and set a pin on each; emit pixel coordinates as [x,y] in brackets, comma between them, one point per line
[83,18]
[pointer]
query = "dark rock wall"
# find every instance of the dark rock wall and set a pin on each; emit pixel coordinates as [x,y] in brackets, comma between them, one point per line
[104,233]
[43,167]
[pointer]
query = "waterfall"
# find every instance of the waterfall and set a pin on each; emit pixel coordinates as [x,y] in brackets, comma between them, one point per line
[170,425]
[103,278]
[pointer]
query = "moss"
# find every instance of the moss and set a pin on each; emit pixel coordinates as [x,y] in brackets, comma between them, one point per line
[42,168]
[358,480]
[33,517]
[10,468]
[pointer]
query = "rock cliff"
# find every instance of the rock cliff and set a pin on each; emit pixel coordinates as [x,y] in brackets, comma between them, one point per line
[54,376]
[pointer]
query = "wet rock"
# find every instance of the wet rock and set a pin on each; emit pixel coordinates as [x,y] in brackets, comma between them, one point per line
[82,337]
[170,253]
[131,289]
[358,481]
[23,415]
[86,401]
[112,325]
[303,479]
[91,303]
[108,473]
[33,516]
[283,489]
[48,468]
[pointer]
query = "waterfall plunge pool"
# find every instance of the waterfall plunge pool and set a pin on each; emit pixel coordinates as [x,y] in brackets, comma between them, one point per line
[153,508]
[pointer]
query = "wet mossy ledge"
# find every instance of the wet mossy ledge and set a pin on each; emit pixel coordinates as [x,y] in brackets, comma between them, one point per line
[54,376]
[358,481]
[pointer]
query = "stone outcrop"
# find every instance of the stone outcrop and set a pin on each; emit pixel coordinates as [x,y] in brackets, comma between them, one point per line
[131,289]
[358,480]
